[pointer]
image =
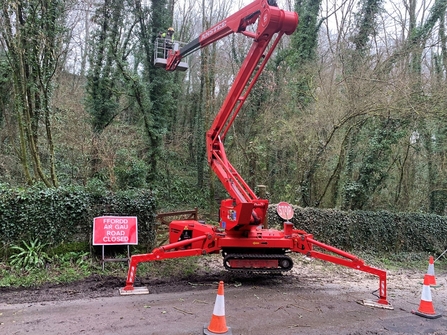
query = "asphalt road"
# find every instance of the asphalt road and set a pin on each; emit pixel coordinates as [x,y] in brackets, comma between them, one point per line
[314,305]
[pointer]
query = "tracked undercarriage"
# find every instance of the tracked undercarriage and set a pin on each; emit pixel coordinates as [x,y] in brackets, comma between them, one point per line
[266,261]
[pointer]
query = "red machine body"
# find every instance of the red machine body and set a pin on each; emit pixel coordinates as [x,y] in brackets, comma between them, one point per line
[241,238]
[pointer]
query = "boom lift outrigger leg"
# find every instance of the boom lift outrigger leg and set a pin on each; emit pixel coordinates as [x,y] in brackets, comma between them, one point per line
[245,245]
[211,240]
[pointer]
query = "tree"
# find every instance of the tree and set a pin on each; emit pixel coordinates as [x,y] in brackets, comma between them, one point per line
[32,39]
[102,100]
[122,75]
[303,51]
[5,89]
[159,84]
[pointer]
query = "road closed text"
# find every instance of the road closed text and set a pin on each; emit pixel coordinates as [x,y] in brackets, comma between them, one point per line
[115,236]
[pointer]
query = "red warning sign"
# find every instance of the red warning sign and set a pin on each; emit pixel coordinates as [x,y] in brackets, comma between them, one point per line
[109,230]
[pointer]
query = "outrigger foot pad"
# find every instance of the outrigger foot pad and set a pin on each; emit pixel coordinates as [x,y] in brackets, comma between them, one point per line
[135,291]
[371,303]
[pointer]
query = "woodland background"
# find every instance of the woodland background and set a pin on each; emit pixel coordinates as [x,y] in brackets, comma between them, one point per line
[350,112]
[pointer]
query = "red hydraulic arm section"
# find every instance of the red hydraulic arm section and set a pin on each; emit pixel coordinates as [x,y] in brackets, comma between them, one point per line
[244,206]
[240,238]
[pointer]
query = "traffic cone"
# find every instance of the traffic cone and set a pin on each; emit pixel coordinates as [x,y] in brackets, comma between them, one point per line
[218,325]
[431,272]
[426,308]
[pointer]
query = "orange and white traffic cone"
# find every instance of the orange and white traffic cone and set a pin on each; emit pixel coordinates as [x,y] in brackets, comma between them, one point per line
[218,324]
[426,308]
[431,272]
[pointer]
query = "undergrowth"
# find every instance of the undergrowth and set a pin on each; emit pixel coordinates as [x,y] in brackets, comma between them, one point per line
[58,269]
[74,266]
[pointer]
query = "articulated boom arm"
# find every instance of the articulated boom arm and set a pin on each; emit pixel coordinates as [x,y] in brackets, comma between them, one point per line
[244,208]
[272,22]
[244,244]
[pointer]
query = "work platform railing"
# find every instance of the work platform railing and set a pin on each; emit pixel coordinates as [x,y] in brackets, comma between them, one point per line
[161,48]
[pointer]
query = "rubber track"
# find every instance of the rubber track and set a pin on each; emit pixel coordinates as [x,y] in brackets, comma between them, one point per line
[257,256]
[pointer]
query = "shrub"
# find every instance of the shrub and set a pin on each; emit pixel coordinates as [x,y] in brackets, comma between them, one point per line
[66,214]
[374,231]
[30,255]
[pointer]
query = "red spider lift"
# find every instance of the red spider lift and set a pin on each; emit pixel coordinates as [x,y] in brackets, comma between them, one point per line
[241,238]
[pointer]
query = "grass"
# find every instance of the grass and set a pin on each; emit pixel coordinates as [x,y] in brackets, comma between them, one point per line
[74,266]
[58,269]
[402,260]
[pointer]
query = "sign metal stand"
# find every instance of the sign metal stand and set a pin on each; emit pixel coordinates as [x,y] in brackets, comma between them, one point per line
[115,230]
[103,260]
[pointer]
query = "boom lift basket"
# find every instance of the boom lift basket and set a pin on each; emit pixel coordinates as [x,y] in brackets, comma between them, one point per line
[161,48]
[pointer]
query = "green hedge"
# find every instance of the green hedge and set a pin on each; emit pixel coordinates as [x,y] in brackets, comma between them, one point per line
[372,231]
[66,214]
